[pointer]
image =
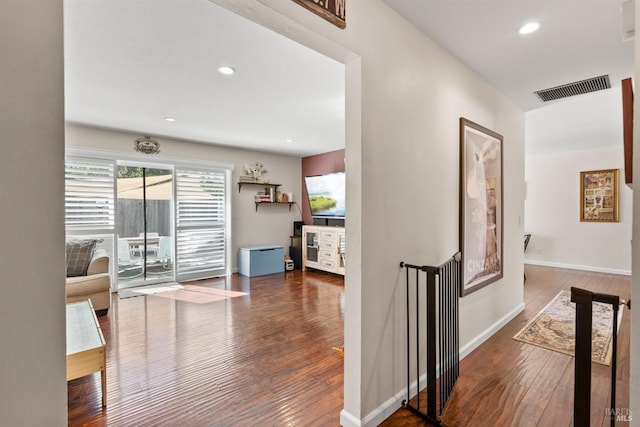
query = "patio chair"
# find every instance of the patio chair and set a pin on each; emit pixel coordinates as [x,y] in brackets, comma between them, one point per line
[151,248]
[164,250]
[126,263]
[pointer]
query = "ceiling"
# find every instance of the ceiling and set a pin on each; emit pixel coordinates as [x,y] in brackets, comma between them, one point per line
[130,64]
[577,40]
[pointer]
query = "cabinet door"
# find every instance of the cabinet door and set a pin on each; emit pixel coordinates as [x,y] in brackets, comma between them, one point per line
[342,252]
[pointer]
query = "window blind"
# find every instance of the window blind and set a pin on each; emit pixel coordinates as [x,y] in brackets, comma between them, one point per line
[90,202]
[201,221]
[89,195]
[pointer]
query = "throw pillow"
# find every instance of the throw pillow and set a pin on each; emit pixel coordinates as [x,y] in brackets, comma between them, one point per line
[79,254]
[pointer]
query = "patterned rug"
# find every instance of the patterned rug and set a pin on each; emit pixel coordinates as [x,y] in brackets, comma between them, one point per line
[554,328]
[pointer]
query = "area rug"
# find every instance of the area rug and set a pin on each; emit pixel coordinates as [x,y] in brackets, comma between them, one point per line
[148,290]
[554,328]
[188,293]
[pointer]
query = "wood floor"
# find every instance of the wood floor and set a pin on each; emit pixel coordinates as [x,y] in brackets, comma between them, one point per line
[508,383]
[262,359]
[266,359]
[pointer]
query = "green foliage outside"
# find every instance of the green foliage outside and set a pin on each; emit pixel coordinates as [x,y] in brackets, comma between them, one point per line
[321,203]
[136,172]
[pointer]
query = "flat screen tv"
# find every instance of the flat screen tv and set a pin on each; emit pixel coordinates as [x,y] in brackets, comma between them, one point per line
[326,195]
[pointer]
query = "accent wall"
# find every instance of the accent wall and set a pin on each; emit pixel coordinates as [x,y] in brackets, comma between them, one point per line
[319,164]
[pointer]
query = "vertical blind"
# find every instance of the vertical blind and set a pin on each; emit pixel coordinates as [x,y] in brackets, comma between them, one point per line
[201,223]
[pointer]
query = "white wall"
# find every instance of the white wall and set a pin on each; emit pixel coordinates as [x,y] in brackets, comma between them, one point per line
[33,387]
[402,150]
[271,224]
[634,395]
[552,213]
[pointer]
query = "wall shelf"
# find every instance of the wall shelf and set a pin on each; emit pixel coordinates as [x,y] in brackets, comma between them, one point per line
[262,184]
[275,203]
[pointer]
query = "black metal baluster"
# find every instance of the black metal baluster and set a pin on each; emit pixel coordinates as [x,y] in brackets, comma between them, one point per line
[442,324]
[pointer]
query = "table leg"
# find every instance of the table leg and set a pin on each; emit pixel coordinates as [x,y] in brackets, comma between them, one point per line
[103,377]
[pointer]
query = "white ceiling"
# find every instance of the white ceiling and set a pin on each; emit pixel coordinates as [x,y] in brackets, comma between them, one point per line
[129,64]
[577,39]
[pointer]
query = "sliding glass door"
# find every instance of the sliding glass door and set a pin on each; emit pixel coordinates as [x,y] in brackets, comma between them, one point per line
[144,225]
[201,223]
[158,223]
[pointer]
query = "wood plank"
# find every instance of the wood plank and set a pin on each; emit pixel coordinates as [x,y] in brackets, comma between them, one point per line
[508,383]
[266,359]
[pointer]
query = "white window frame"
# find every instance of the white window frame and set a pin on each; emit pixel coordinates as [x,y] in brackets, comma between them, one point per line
[109,156]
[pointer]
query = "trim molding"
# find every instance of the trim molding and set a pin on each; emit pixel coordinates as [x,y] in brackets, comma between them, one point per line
[385,410]
[578,267]
[349,420]
[99,153]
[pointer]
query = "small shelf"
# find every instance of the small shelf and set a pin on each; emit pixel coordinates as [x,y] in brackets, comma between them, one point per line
[262,184]
[275,203]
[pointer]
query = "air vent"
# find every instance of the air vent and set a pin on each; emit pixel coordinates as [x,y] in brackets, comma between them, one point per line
[577,88]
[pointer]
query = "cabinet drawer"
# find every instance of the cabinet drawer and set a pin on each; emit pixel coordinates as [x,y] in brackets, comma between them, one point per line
[328,264]
[328,255]
[328,235]
[328,244]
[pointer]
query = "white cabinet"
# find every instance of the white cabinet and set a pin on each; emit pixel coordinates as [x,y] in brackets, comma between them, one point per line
[323,248]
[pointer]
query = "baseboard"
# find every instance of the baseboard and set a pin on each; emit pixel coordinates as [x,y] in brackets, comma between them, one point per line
[378,415]
[385,410]
[578,267]
[349,420]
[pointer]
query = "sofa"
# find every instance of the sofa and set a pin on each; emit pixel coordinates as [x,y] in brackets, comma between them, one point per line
[92,282]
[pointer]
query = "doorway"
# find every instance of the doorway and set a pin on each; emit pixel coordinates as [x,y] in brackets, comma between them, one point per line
[144,224]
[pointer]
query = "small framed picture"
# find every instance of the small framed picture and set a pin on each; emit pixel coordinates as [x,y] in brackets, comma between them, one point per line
[599,196]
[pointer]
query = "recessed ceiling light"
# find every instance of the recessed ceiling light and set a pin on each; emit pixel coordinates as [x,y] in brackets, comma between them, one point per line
[529,28]
[170,119]
[227,71]
[288,140]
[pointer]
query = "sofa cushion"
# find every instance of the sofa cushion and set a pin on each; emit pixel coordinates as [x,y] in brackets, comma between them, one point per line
[79,254]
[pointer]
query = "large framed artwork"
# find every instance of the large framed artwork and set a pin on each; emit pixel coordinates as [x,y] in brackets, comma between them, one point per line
[480,206]
[599,196]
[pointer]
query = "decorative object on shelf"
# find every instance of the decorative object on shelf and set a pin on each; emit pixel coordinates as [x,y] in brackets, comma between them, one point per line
[269,196]
[480,206]
[254,170]
[146,145]
[599,196]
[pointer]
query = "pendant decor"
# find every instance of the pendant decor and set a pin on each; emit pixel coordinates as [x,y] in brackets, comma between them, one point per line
[146,145]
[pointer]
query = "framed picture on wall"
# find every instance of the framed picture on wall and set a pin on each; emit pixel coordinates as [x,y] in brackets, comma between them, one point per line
[480,206]
[599,196]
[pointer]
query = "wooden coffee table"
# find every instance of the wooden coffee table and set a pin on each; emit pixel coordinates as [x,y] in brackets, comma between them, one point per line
[85,344]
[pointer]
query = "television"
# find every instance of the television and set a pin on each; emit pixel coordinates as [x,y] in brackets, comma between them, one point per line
[326,195]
